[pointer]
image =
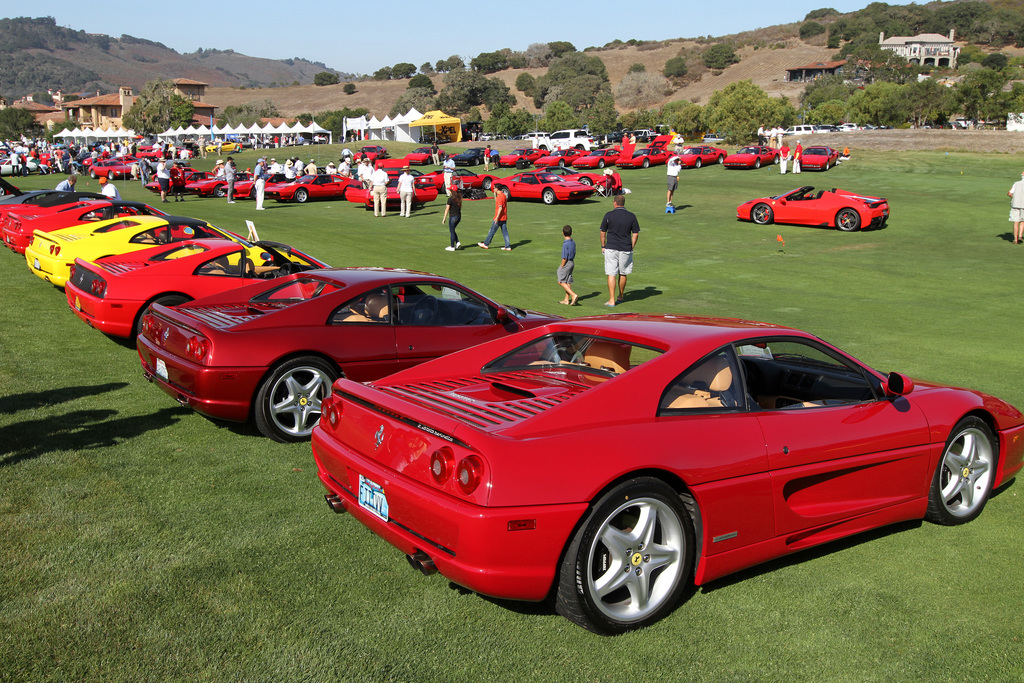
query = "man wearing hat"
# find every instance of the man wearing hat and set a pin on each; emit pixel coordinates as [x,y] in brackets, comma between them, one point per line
[260,174]
[379,187]
[108,189]
[275,167]
[405,192]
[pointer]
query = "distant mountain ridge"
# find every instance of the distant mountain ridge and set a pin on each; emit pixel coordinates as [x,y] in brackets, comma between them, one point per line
[36,54]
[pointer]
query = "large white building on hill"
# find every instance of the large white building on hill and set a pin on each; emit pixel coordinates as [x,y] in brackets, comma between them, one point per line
[926,49]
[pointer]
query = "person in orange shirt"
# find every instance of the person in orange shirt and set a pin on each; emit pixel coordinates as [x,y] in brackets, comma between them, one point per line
[500,221]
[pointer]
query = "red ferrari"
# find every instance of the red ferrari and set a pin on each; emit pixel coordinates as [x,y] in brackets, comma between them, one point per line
[113,292]
[818,158]
[191,176]
[214,187]
[517,155]
[309,187]
[271,351]
[18,228]
[846,211]
[423,191]
[695,157]
[561,157]
[465,178]
[372,152]
[644,158]
[118,167]
[576,175]
[612,463]
[597,158]
[246,189]
[543,185]
[752,157]
[421,156]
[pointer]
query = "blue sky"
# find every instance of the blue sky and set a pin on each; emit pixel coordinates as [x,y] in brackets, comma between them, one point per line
[362,37]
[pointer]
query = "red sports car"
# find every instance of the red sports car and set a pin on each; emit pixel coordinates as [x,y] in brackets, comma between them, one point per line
[576,175]
[191,176]
[752,157]
[18,228]
[112,293]
[148,152]
[214,187]
[561,157]
[308,187]
[644,158]
[597,158]
[246,189]
[465,177]
[614,462]
[516,155]
[422,156]
[695,157]
[846,211]
[118,167]
[543,185]
[372,152]
[423,191]
[272,350]
[818,158]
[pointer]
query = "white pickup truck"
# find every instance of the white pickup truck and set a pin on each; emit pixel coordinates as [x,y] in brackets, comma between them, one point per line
[565,139]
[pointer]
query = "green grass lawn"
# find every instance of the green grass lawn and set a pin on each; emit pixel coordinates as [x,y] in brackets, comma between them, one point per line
[140,541]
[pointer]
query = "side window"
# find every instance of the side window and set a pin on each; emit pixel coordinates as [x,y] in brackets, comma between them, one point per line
[713,383]
[372,307]
[158,235]
[789,373]
[227,265]
[440,305]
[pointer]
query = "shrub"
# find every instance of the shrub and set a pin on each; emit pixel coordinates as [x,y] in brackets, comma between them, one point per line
[325,78]
[675,68]
[810,29]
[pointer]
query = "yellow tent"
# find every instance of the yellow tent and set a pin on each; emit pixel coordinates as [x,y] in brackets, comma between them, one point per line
[444,125]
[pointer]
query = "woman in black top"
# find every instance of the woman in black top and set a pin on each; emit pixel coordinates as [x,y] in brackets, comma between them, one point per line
[453,214]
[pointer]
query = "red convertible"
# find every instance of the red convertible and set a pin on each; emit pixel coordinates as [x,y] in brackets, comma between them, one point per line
[543,185]
[752,157]
[423,191]
[846,211]
[112,293]
[818,159]
[320,186]
[614,463]
[695,157]
[644,158]
[18,228]
[465,178]
[215,186]
[517,155]
[561,157]
[271,351]
[597,158]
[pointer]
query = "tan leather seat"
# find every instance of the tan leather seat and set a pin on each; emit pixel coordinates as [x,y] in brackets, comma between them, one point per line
[608,356]
[716,375]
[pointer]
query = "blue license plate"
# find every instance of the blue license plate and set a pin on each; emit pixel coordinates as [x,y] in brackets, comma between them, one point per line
[372,498]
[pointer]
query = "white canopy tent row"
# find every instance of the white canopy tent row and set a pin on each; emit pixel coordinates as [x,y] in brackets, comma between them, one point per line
[87,134]
[394,129]
[297,128]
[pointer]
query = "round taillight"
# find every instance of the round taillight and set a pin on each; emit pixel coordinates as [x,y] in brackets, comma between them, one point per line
[441,465]
[334,413]
[196,347]
[147,324]
[99,287]
[468,474]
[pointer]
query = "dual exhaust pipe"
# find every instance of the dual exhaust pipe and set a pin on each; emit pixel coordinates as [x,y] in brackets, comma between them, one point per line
[419,560]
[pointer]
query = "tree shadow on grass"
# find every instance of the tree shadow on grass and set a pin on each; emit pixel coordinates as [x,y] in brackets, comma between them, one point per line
[40,399]
[77,431]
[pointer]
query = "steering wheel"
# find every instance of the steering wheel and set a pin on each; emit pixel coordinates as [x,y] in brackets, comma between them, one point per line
[425,311]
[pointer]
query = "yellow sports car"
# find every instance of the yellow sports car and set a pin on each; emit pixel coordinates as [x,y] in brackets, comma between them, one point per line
[224,147]
[51,254]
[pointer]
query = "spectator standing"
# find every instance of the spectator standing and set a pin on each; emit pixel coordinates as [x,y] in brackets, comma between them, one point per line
[310,168]
[798,154]
[379,187]
[163,179]
[487,159]
[783,158]
[500,221]
[1016,195]
[275,167]
[229,175]
[674,165]
[449,173]
[177,182]
[435,154]
[619,233]
[567,266]
[364,172]
[345,170]
[453,214]
[406,192]
[760,135]
[145,171]
[259,174]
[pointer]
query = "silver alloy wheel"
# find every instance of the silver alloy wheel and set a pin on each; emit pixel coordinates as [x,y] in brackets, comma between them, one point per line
[295,398]
[965,473]
[635,560]
[761,214]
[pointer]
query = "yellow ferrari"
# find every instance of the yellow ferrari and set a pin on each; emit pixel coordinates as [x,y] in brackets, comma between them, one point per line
[225,148]
[51,254]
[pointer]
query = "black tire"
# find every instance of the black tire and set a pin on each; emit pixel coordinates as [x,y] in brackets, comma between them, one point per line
[287,404]
[586,181]
[252,192]
[505,191]
[647,163]
[762,214]
[963,479]
[92,172]
[548,196]
[697,163]
[302,195]
[487,184]
[757,162]
[600,163]
[561,162]
[638,510]
[721,158]
[165,300]
[221,192]
[848,220]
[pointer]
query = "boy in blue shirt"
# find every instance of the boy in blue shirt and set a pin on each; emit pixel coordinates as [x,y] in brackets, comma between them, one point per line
[566,268]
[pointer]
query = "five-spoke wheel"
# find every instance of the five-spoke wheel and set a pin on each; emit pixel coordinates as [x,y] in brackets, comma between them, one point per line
[963,480]
[288,402]
[847,220]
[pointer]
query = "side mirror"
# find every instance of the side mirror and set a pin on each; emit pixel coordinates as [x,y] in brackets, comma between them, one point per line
[897,384]
[502,316]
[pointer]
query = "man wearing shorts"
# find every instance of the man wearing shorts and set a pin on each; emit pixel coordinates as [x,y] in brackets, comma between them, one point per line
[619,233]
[674,165]
[1016,195]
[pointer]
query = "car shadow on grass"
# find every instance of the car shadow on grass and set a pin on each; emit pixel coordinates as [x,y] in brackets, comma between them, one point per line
[78,431]
[42,399]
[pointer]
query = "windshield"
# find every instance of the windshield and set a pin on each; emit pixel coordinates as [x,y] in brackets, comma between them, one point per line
[577,352]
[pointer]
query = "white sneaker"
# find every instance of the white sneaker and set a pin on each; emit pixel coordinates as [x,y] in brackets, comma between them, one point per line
[449,248]
[458,245]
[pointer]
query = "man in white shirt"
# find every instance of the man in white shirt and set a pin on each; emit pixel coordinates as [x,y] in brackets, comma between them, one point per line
[259,174]
[379,187]
[674,165]
[365,171]
[275,167]
[108,189]
[405,192]
[449,171]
